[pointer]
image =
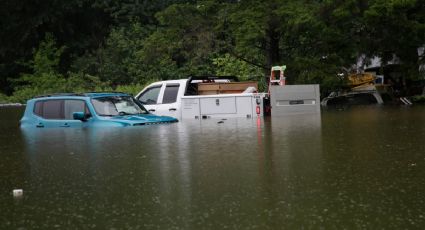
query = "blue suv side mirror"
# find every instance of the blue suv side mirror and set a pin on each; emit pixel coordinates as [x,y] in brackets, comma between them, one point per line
[79,116]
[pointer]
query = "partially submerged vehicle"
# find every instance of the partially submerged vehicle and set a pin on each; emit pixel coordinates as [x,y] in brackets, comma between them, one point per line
[88,110]
[361,90]
[204,97]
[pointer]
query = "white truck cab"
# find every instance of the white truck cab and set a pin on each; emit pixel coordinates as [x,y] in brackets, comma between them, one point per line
[164,97]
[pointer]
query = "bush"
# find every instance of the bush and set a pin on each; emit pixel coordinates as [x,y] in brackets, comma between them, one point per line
[130,89]
[134,89]
[418,99]
[79,82]
[45,83]
[229,65]
[45,78]
[4,99]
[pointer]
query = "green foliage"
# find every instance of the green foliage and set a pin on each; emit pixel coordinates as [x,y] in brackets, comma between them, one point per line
[118,62]
[184,44]
[46,79]
[127,58]
[4,99]
[76,24]
[79,82]
[132,89]
[312,71]
[231,66]
[46,57]
[109,45]
[133,10]
[395,28]
[246,24]
[41,84]
[228,65]
[135,54]
[418,99]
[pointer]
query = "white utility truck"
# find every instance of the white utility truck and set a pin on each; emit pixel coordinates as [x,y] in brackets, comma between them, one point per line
[225,97]
[203,97]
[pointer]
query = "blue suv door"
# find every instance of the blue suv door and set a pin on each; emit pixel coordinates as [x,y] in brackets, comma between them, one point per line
[59,112]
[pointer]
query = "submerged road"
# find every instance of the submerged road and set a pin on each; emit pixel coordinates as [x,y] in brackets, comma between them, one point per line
[361,168]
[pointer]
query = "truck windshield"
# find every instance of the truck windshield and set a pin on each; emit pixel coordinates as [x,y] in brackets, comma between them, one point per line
[117,106]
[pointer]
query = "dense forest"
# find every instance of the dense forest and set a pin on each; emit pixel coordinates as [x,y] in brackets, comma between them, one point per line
[49,46]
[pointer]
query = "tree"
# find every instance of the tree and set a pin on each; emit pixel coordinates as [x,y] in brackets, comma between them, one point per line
[116,61]
[25,23]
[285,32]
[141,11]
[185,42]
[396,28]
[46,78]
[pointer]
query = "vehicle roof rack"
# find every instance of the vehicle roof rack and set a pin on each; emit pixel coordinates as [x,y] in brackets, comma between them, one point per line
[192,90]
[213,77]
[105,92]
[85,94]
[58,95]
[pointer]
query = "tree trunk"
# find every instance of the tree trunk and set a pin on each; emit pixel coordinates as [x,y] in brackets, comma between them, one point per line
[410,67]
[272,45]
[411,62]
[273,54]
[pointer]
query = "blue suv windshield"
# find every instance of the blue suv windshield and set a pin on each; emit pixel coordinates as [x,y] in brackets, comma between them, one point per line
[117,106]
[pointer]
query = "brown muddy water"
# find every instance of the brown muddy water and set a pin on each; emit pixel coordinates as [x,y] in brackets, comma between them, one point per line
[359,168]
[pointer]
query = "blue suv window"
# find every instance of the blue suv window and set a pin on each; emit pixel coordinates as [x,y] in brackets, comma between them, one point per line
[49,109]
[59,109]
[71,106]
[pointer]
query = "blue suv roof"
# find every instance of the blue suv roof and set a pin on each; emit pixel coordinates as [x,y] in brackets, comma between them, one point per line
[90,94]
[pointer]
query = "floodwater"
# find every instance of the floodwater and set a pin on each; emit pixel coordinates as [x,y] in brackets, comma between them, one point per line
[358,168]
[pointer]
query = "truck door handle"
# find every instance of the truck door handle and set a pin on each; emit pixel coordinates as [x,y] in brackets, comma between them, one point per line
[151,110]
[40,125]
[172,109]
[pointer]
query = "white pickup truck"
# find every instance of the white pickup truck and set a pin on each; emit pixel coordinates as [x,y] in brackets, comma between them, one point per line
[203,97]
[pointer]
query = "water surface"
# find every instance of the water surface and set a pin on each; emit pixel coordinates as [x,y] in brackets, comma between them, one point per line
[361,168]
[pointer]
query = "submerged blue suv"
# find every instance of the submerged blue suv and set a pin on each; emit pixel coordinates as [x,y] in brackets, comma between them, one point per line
[87,110]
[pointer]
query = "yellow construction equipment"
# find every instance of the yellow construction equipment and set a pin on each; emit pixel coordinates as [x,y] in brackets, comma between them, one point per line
[358,79]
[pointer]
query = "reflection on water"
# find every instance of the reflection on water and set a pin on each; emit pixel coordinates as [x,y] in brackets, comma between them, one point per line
[361,168]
